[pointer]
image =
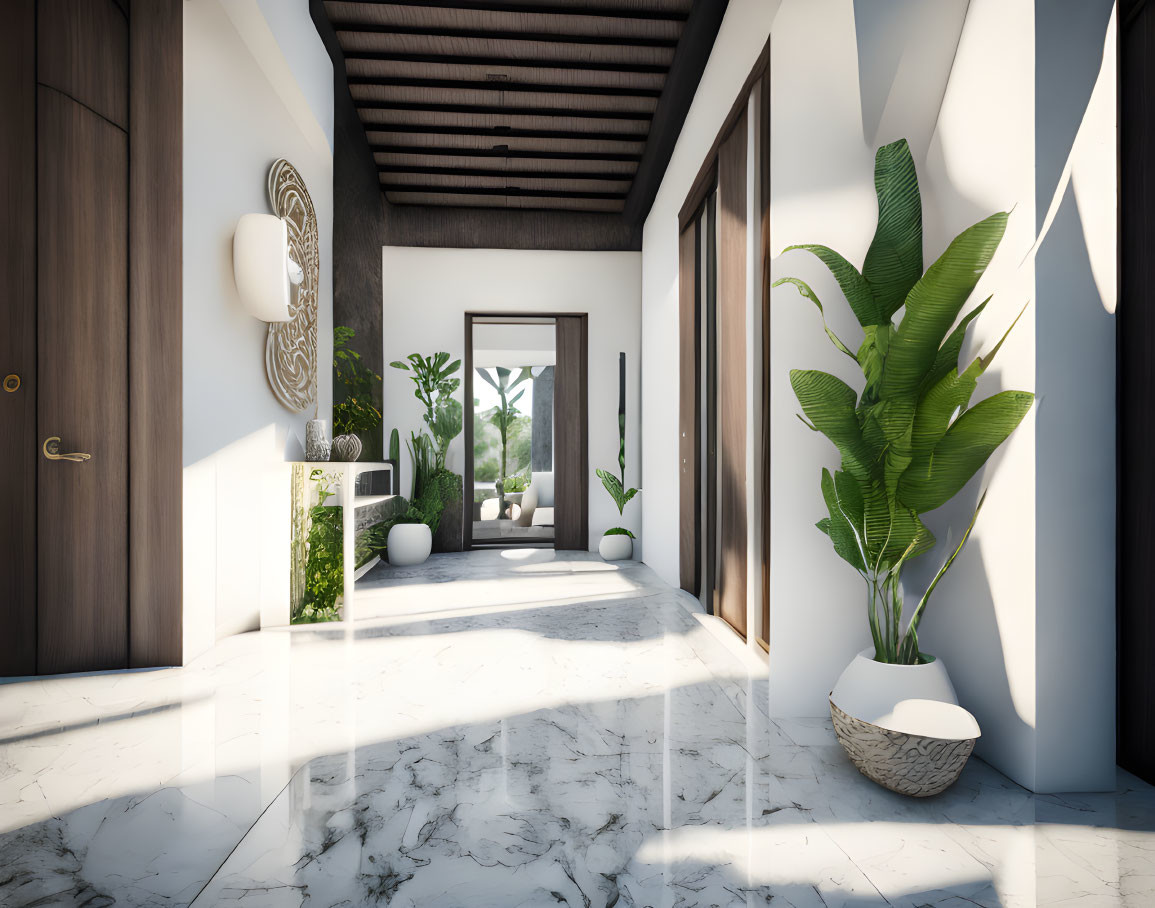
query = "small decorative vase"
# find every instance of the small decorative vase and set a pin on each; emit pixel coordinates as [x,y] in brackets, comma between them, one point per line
[316,444]
[408,544]
[616,547]
[901,725]
[346,448]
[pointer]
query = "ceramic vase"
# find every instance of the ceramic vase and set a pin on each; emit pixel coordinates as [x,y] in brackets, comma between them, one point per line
[316,440]
[408,544]
[901,725]
[616,547]
[346,448]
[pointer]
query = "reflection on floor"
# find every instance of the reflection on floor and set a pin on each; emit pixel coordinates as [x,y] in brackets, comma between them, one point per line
[549,730]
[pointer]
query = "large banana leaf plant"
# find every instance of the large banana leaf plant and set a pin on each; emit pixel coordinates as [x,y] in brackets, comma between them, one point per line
[912,439]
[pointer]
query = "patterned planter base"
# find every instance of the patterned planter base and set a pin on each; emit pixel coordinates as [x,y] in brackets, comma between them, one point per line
[908,764]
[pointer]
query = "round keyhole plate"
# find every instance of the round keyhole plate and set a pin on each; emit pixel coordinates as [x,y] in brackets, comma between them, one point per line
[11,382]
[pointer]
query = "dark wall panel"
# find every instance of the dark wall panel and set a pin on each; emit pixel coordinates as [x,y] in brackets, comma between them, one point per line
[18,449]
[155,453]
[358,229]
[571,434]
[1136,392]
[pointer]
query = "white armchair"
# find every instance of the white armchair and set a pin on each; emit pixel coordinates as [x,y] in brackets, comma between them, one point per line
[537,502]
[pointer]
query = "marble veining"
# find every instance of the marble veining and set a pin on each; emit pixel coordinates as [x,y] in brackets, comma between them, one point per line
[526,729]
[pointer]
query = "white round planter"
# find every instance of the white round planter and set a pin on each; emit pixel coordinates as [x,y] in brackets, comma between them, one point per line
[616,547]
[870,690]
[408,544]
[901,725]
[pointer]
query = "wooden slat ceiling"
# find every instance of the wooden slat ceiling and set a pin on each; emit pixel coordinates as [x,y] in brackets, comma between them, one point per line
[508,103]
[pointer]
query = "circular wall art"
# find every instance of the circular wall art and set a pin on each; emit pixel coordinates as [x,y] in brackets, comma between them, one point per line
[291,347]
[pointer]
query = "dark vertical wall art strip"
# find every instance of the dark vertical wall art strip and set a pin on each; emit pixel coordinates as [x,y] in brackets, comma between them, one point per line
[358,226]
[1136,391]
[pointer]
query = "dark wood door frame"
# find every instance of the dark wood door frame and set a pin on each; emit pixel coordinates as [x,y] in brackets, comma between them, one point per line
[152,449]
[580,448]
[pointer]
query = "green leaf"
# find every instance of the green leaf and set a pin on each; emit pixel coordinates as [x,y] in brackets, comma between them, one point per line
[846,537]
[619,531]
[397,364]
[934,303]
[894,261]
[853,284]
[934,478]
[829,404]
[809,294]
[947,356]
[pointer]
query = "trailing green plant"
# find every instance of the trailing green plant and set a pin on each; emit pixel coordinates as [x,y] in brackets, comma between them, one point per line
[504,415]
[355,412]
[615,486]
[324,565]
[435,387]
[912,439]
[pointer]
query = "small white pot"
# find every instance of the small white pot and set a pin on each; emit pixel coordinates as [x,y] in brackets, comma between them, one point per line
[408,544]
[616,547]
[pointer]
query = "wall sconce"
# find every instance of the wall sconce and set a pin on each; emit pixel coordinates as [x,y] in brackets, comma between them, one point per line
[262,267]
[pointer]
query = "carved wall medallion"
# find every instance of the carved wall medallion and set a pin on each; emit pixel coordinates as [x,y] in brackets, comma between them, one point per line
[291,347]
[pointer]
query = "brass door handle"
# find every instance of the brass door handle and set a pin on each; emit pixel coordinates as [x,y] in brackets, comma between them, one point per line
[52,451]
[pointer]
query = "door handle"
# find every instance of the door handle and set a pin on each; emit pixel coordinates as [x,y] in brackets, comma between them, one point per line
[52,451]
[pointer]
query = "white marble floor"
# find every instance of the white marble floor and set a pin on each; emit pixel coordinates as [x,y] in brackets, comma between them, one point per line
[543,730]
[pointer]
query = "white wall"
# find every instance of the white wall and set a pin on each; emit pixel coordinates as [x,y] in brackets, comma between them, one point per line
[1025,619]
[237,436]
[428,291]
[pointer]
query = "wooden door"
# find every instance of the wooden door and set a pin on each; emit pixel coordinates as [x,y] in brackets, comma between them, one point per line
[82,335]
[732,530]
[570,427]
[689,409]
[1136,390]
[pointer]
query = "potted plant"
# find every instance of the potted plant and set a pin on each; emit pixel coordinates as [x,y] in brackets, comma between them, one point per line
[434,387]
[410,539]
[503,416]
[618,543]
[912,438]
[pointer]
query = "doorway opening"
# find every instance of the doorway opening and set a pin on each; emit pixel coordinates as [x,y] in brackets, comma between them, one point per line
[512,415]
[526,431]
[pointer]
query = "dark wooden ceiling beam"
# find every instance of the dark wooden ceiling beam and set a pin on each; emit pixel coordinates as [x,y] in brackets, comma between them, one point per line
[502,152]
[425,31]
[433,171]
[579,112]
[499,85]
[503,132]
[511,191]
[678,94]
[537,9]
[391,56]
